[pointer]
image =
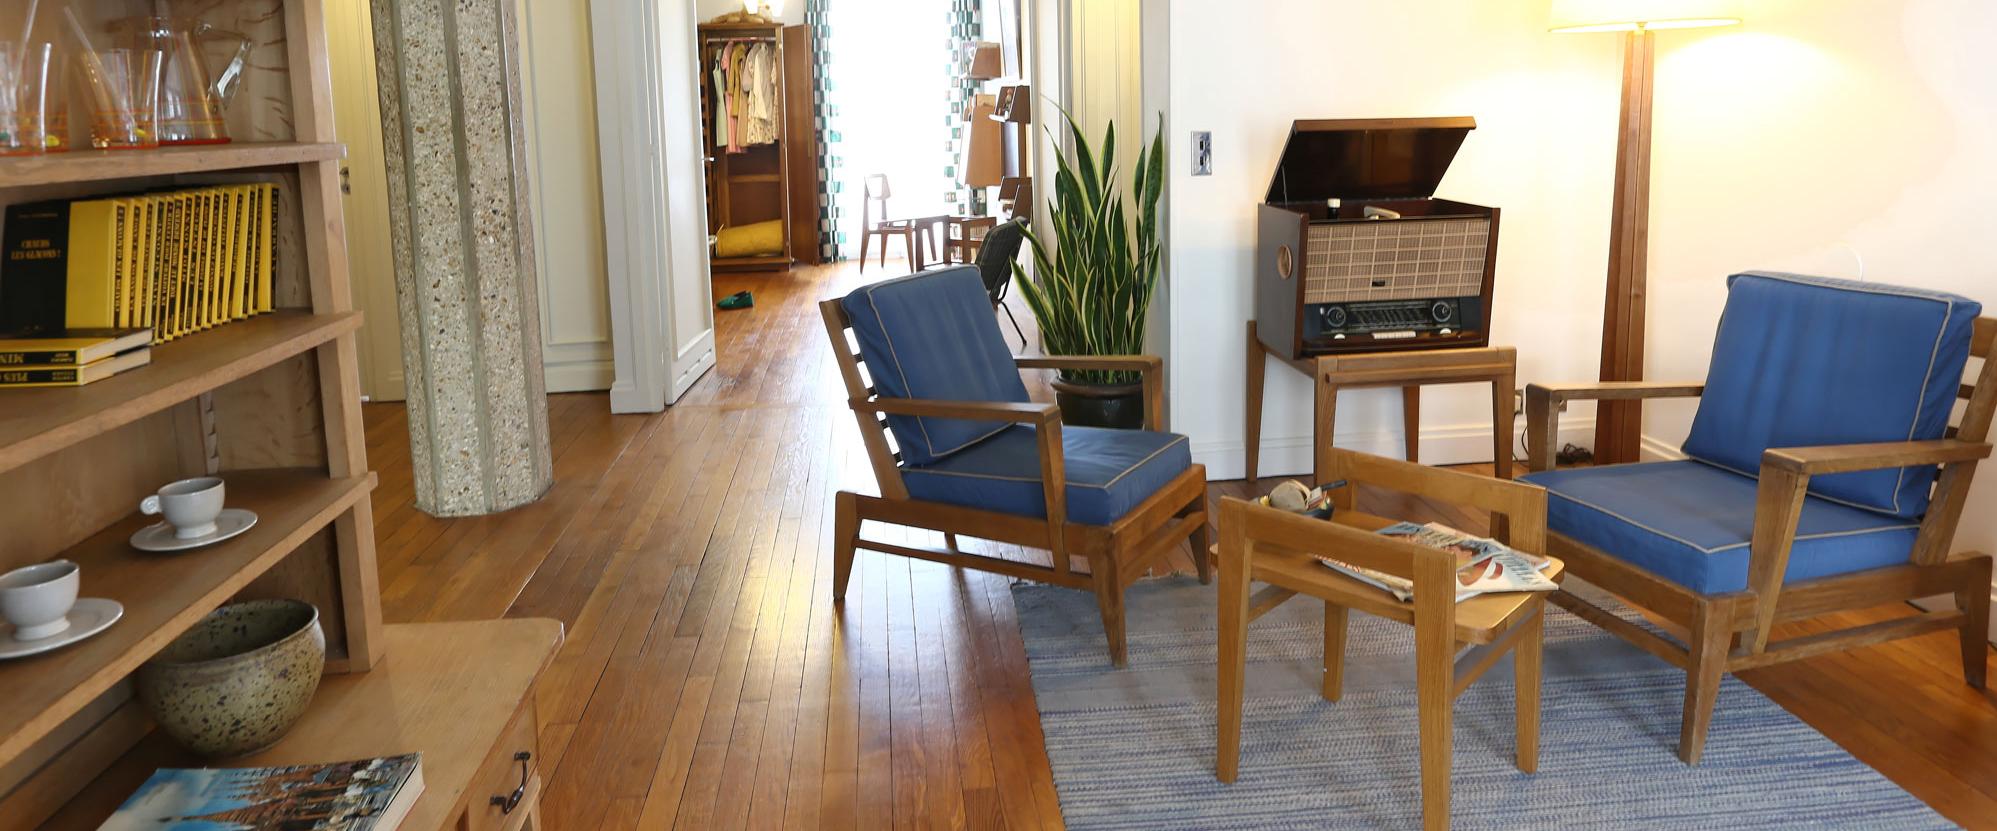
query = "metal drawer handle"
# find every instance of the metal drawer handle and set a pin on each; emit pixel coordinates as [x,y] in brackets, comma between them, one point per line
[506,804]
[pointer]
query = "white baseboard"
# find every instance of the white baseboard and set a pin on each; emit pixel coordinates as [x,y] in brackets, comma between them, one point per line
[579,376]
[1291,455]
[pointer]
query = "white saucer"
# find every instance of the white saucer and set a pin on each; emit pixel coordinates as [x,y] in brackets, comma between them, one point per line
[89,616]
[159,535]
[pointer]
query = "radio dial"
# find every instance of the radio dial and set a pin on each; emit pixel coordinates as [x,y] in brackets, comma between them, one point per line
[1334,317]
[1442,311]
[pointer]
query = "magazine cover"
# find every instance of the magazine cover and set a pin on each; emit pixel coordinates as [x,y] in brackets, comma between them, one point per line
[1482,564]
[342,796]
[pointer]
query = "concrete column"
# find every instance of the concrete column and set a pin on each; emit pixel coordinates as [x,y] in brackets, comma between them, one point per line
[464,259]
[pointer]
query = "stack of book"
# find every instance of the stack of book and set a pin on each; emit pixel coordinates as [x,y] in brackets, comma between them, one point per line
[72,357]
[172,262]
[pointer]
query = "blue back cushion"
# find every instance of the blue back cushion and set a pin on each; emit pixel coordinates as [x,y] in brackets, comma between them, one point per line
[1803,361]
[932,335]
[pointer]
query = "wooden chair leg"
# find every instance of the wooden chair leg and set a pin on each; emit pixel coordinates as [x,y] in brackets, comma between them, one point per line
[1710,638]
[1233,642]
[950,541]
[1202,542]
[1334,651]
[1257,362]
[1109,599]
[1974,601]
[1526,669]
[845,532]
[1411,421]
[867,236]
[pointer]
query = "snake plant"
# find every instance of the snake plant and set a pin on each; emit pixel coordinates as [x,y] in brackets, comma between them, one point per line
[1094,268]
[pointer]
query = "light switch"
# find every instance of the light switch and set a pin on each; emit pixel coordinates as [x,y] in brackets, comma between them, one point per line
[1202,153]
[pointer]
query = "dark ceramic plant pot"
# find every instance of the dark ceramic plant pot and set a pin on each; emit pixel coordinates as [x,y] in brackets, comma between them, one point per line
[1120,406]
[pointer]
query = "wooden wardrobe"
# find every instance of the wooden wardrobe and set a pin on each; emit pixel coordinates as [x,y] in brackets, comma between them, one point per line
[775,181]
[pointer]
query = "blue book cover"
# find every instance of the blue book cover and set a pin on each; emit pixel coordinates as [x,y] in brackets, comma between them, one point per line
[364,795]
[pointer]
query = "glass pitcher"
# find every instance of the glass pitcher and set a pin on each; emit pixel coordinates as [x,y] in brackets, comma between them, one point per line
[193,95]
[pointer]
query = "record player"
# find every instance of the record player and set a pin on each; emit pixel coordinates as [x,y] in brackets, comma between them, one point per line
[1355,254]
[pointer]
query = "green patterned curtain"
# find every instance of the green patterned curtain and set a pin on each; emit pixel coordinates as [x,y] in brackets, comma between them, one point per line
[825,117]
[966,28]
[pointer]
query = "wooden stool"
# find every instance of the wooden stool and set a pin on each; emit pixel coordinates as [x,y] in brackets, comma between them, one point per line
[1273,547]
[1495,365]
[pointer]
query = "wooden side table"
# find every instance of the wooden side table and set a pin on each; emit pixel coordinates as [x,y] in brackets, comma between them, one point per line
[1495,365]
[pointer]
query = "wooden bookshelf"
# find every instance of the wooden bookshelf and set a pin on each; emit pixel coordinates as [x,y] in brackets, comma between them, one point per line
[164,594]
[36,422]
[104,165]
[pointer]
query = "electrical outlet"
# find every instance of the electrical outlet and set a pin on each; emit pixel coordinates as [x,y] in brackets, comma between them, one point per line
[1202,153]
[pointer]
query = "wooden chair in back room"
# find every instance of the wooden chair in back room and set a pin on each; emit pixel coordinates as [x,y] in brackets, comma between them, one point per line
[1812,485]
[877,191]
[970,453]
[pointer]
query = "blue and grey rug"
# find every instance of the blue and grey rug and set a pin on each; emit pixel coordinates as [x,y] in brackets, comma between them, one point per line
[1134,748]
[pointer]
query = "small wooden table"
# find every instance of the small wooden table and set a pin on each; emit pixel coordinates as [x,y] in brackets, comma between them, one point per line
[1495,365]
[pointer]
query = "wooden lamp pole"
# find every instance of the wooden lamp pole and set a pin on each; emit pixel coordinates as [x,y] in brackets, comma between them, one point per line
[1619,424]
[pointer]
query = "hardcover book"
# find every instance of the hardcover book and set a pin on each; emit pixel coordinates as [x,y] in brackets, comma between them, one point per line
[72,375]
[363,795]
[71,346]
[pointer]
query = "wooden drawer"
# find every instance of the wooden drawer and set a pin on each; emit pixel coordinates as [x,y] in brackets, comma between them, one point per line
[502,773]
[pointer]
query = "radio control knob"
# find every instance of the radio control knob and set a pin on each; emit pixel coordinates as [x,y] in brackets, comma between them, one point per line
[1443,310]
[1334,317]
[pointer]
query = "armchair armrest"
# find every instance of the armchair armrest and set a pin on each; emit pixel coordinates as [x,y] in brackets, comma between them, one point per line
[1543,401]
[1151,367]
[1009,411]
[1840,458]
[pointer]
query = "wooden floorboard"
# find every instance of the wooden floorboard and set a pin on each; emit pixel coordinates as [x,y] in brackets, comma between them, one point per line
[710,682]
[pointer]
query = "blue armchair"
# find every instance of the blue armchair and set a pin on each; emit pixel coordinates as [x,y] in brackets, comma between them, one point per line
[1822,476]
[972,455]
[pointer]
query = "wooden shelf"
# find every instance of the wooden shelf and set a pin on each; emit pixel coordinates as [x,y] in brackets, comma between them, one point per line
[38,421]
[163,594]
[100,165]
[445,691]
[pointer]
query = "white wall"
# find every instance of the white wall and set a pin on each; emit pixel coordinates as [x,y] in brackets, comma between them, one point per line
[559,87]
[1543,152]
[1870,156]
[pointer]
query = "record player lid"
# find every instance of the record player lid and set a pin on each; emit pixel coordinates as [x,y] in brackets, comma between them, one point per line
[1371,158]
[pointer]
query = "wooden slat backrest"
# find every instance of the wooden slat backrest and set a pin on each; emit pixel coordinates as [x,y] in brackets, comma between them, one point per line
[1951,491]
[873,430]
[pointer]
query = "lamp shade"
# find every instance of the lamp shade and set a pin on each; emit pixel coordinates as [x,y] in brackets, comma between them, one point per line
[1627,15]
[984,146]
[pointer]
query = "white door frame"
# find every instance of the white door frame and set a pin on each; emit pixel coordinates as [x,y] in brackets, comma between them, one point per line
[648,117]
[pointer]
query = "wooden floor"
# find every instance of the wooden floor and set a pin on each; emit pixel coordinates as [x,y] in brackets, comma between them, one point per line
[710,683]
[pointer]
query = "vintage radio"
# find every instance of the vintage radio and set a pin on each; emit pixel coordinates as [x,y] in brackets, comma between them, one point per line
[1354,252]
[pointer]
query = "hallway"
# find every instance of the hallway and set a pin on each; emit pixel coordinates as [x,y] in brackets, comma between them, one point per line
[709,682]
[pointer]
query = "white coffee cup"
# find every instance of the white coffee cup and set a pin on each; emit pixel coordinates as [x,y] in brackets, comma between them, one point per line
[37,598]
[190,506]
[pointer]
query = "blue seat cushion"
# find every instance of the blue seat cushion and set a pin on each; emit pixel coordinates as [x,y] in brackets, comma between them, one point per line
[1109,472]
[932,335]
[1803,361]
[1690,523]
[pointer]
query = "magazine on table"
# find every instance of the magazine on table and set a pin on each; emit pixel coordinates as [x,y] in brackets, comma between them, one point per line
[362,795]
[1482,564]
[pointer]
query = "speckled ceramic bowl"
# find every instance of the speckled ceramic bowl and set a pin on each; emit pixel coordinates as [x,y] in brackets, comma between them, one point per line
[233,683]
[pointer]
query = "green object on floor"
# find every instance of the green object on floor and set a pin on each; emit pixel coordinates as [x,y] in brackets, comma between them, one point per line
[738,300]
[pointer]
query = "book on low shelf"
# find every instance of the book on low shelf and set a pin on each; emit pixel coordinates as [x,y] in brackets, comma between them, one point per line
[71,346]
[362,795]
[1482,564]
[72,375]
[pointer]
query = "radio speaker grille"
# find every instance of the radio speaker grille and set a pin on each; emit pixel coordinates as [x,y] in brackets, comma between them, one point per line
[1406,259]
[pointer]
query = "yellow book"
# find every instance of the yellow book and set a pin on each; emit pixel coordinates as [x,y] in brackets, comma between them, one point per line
[204,264]
[244,296]
[190,263]
[130,236]
[91,281]
[70,375]
[266,245]
[146,253]
[232,261]
[175,308]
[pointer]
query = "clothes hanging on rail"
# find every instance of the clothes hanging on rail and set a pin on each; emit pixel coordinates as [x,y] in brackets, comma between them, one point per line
[745,77]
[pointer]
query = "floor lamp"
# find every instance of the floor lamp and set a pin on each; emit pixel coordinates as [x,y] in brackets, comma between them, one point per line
[1619,424]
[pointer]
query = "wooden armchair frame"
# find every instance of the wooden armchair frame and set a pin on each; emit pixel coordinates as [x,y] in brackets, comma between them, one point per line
[1117,554]
[1730,632]
[1276,548]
